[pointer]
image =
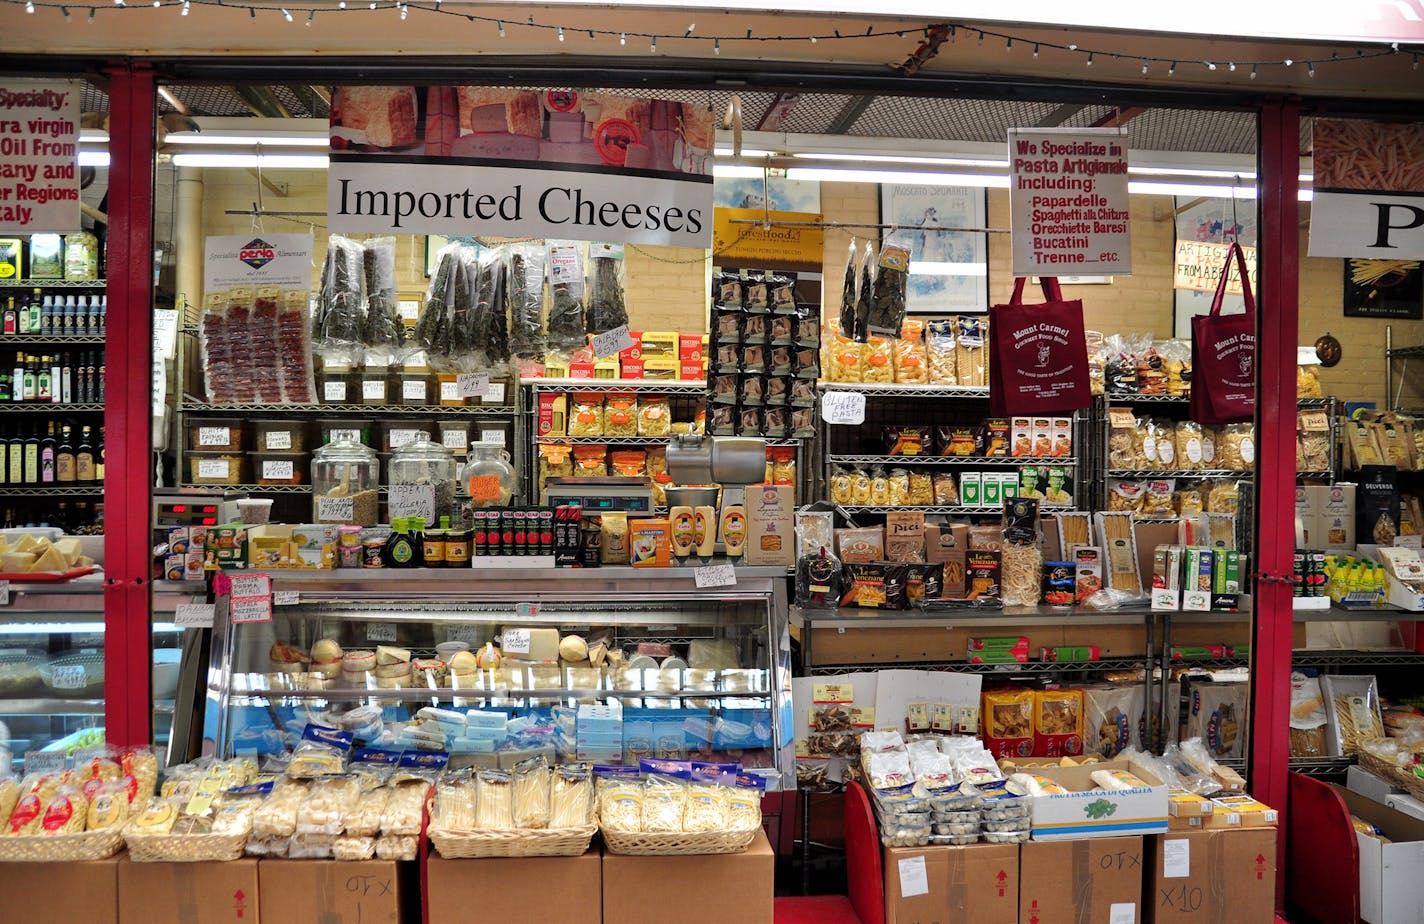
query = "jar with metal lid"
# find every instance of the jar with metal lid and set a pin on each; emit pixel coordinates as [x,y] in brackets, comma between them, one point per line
[420,464]
[346,484]
[488,477]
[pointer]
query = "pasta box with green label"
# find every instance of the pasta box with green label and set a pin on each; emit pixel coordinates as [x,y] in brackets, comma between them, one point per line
[1088,810]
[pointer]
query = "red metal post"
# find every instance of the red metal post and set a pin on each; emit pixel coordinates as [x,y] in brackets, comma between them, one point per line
[1278,261]
[128,709]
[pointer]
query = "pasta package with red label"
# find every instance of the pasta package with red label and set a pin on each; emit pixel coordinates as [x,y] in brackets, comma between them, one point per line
[1058,723]
[1007,716]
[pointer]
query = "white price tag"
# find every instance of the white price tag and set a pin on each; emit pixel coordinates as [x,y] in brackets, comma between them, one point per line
[1176,858]
[251,609]
[843,407]
[286,597]
[409,309]
[449,391]
[1122,913]
[473,384]
[333,391]
[165,331]
[4,593]
[69,677]
[214,468]
[351,435]
[715,576]
[492,436]
[273,470]
[373,390]
[278,439]
[193,616]
[252,585]
[412,500]
[400,438]
[413,390]
[214,436]
[526,610]
[455,439]
[335,509]
[494,394]
[611,342]
[470,635]
[516,641]
[914,878]
[44,761]
[381,632]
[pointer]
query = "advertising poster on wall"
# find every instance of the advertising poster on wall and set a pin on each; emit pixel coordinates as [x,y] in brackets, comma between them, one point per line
[520,163]
[1068,203]
[949,269]
[1368,199]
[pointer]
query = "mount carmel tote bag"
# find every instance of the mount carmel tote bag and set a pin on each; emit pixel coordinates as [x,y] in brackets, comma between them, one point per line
[1038,360]
[1224,355]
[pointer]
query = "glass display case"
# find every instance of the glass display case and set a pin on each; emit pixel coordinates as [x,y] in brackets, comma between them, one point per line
[52,688]
[607,665]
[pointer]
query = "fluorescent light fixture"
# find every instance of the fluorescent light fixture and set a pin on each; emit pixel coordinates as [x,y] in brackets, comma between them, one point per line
[1190,171]
[920,268]
[93,158]
[1147,188]
[746,152]
[736,172]
[268,161]
[210,139]
[825,175]
[52,628]
[902,159]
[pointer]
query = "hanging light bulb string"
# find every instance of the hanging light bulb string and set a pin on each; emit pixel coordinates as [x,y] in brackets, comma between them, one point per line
[1088,55]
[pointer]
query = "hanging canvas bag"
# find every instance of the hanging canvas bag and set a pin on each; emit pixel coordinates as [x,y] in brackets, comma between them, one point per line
[1224,354]
[1038,359]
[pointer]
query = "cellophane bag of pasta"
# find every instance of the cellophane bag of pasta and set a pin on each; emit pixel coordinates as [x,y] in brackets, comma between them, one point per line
[1119,366]
[1151,370]
[531,793]
[891,286]
[1188,437]
[654,416]
[844,356]
[524,276]
[1164,433]
[1236,448]
[971,356]
[620,416]
[864,295]
[462,351]
[1159,497]
[707,800]
[1125,496]
[1352,710]
[1111,714]
[911,360]
[940,353]
[1021,561]
[586,414]
[1058,723]
[1177,363]
[1096,360]
[607,299]
[591,461]
[879,361]
[1307,717]
[1307,381]
[1007,718]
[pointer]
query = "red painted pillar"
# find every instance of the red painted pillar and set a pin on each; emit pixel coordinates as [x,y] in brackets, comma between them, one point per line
[1278,262]
[128,709]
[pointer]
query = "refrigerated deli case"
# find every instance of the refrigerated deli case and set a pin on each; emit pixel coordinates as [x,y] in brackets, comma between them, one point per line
[692,673]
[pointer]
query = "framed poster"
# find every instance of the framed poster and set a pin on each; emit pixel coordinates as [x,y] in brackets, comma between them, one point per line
[949,269]
[1384,289]
[1209,221]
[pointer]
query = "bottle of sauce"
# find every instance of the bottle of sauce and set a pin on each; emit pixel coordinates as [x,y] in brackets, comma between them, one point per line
[684,531]
[734,529]
[457,545]
[704,531]
[400,550]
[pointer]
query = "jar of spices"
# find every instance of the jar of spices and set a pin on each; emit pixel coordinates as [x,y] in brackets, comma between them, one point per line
[376,384]
[335,384]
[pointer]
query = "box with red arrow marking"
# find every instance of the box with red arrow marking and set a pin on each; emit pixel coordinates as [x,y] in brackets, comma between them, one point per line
[973,884]
[188,893]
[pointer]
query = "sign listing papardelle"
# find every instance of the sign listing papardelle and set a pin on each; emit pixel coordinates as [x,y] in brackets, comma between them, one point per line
[520,163]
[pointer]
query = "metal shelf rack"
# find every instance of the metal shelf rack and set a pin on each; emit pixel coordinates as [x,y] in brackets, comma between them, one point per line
[54,284]
[951,461]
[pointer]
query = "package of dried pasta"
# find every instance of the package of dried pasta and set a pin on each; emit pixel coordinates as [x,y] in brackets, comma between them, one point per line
[1157,498]
[1124,442]
[586,416]
[1096,358]
[1126,496]
[620,416]
[455,799]
[620,805]
[1352,712]
[494,799]
[971,357]
[1007,718]
[1058,723]
[940,354]
[911,359]
[571,796]
[707,804]
[879,361]
[845,359]
[531,793]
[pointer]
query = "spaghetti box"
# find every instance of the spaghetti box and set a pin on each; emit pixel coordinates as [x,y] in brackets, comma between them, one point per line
[581,370]
[660,344]
[226,545]
[1087,810]
[634,352]
[691,370]
[689,348]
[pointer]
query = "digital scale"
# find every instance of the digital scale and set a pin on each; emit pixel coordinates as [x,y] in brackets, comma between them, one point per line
[191,507]
[599,493]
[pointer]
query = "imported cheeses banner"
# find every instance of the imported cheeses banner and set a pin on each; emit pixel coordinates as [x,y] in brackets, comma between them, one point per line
[520,163]
[1369,190]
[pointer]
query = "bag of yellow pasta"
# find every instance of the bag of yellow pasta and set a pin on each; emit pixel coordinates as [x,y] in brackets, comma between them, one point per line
[911,360]
[846,359]
[939,349]
[654,416]
[879,364]
[555,461]
[590,461]
[620,416]
[898,483]
[66,813]
[879,488]
[586,415]
[841,493]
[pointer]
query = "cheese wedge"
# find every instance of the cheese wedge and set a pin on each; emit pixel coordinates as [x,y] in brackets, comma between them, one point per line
[27,543]
[14,562]
[51,560]
[386,654]
[71,549]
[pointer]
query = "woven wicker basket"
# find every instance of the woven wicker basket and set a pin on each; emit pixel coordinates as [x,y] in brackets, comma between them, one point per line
[46,848]
[677,843]
[184,848]
[514,842]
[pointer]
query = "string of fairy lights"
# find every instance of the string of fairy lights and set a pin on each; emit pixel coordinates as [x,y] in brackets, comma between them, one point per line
[501,27]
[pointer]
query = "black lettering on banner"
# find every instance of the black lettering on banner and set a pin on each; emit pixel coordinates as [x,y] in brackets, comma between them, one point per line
[631,215]
[580,203]
[653,214]
[544,205]
[670,216]
[1385,225]
[608,214]
[694,221]
[481,204]
[513,200]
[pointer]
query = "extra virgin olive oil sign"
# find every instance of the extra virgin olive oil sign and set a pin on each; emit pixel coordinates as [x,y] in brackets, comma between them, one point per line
[520,163]
[39,156]
[1068,202]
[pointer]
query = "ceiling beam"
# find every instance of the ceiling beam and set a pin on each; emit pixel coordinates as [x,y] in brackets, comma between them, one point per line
[1119,117]
[850,114]
[778,113]
[1060,115]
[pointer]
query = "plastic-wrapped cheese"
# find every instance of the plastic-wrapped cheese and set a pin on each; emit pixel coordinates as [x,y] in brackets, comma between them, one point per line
[531,644]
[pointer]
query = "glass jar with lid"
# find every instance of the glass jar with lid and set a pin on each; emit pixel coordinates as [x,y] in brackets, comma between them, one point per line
[346,483]
[488,477]
[420,464]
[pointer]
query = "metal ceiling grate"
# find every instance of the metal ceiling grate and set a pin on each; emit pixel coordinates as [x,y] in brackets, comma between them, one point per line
[947,119]
[93,99]
[814,113]
[1206,131]
[210,100]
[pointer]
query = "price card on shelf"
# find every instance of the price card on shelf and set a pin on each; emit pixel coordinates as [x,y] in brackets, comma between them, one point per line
[214,436]
[252,585]
[409,309]
[4,593]
[69,677]
[401,438]
[213,469]
[470,635]
[193,616]
[44,761]
[351,435]
[273,470]
[278,439]
[333,391]
[449,391]
[526,610]
[715,576]
[413,390]
[472,384]
[454,439]
[492,436]
[516,641]
[250,609]
[381,632]
[494,394]
[335,509]
[613,341]
[413,500]
[373,390]
[843,407]
[286,597]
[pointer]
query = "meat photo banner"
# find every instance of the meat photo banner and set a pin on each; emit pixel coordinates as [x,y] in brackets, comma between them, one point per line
[520,163]
[1369,190]
[1068,208]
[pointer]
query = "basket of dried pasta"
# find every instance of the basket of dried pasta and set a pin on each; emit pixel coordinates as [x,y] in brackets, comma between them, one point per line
[204,811]
[670,809]
[76,814]
[531,811]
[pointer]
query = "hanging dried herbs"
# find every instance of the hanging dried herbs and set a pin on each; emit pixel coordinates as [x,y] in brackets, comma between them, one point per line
[607,306]
[524,275]
[341,314]
[566,294]
[847,316]
[383,324]
[862,299]
[892,282]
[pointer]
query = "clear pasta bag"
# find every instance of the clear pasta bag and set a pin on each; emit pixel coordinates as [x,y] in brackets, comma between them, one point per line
[531,793]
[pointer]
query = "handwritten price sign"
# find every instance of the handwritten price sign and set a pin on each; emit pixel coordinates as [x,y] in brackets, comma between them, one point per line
[843,407]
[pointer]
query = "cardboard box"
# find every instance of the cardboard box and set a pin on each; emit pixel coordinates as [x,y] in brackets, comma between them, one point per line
[1090,812]
[552,890]
[333,892]
[974,884]
[188,893]
[1211,877]
[1362,781]
[1391,875]
[89,895]
[1336,527]
[703,889]
[771,534]
[1096,880]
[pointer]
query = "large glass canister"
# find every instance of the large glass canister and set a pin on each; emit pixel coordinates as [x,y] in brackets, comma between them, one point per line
[488,476]
[346,483]
[423,463]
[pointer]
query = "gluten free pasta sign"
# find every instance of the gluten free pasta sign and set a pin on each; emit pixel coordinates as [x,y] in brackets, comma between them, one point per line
[520,163]
[1369,190]
[1068,203]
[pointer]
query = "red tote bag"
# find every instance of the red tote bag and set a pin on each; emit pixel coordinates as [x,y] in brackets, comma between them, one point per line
[1038,356]
[1224,355]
